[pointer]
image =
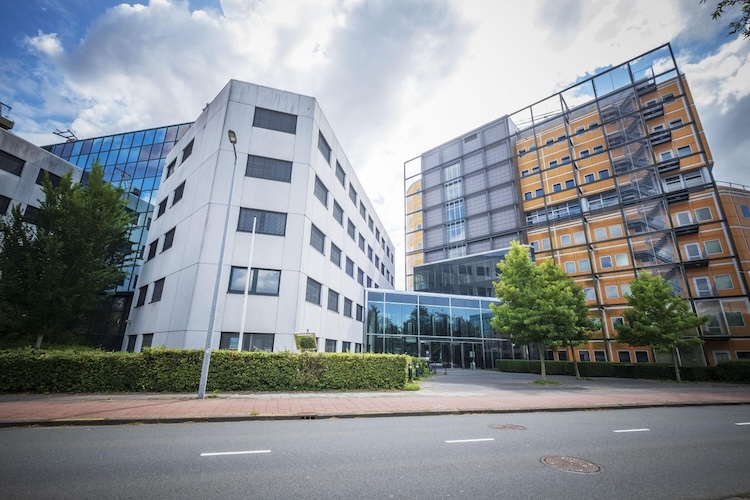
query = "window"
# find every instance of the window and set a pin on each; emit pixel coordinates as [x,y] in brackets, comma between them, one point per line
[262,281]
[275,120]
[453,189]
[615,231]
[606,262]
[168,240]
[611,292]
[667,98]
[535,245]
[340,175]
[377,234]
[565,240]
[142,291]
[593,125]
[352,194]
[454,210]
[338,213]
[158,289]
[359,312]
[666,155]
[324,148]
[4,204]
[162,208]
[360,276]
[369,282]
[549,142]
[734,318]
[152,250]
[657,128]
[524,173]
[131,343]
[539,193]
[350,229]
[584,355]
[336,255]
[623,356]
[527,195]
[584,153]
[565,160]
[584,265]
[32,215]
[675,123]
[187,151]
[641,356]
[350,267]
[148,339]
[371,225]
[745,211]
[570,183]
[522,152]
[604,174]
[347,308]
[562,355]
[321,192]
[53,178]
[588,178]
[170,167]
[317,239]
[621,260]
[250,341]
[11,163]
[625,290]
[579,238]
[702,287]
[693,251]
[684,150]
[451,172]
[713,247]
[455,231]
[267,222]
[178,192]
[683,218]
[330,345]
[600,356]
[600,233]
[553,164]
[333,300]
[362,211]
[598,149]
[312,293]
[271,169]
[535,170]
[580,130]
[570,267]
[369,252]
[557,187]
[361,242]
[589,293]
[693,178]
[704,214]
[723,282]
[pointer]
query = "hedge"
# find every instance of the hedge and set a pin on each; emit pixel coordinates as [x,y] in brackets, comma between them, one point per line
[169,370]
[730,371]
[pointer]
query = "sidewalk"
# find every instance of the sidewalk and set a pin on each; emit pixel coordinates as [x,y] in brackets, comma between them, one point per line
[460,391]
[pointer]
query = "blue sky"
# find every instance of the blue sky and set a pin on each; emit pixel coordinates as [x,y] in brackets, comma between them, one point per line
[394,77]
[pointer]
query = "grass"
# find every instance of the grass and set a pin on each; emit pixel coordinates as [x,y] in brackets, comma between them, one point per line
[545,382]
[411,386]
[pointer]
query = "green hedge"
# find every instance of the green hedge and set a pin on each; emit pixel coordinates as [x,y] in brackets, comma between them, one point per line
[166,370]
[732,371]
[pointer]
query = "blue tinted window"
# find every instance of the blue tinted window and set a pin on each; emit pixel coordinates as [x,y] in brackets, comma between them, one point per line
[96,146]
[86,149]
[123,156]
[107,144]
[127,140]
[171,134]
[133,154]
[402,298]
[160,135]
[67,149]
[148,138]
[138,139]
[76,148]
[112,158]
[375,296]
[58,149]
[116,142]
[436,301]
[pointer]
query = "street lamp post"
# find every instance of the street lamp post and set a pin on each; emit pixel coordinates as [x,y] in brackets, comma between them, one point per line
[247,286]
[212,316]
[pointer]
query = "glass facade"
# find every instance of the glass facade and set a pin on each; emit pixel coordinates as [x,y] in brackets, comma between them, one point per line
[444,329]
[133,161]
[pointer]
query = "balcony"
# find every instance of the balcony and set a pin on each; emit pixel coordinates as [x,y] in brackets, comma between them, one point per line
[660,137]
[668,165]
[653,110]
[695,263]
[678,196]
[645,87]
[686,229]
[5,122]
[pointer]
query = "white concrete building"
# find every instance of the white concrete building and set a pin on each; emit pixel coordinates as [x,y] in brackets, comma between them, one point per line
[318,241]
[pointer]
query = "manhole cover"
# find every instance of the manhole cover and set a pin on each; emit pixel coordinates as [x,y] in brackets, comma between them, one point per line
[507,427]
[571,464]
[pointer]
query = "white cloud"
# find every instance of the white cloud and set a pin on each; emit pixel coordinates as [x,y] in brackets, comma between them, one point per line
[46,43]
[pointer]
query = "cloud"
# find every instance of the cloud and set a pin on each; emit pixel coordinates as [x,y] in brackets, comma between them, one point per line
[46,43]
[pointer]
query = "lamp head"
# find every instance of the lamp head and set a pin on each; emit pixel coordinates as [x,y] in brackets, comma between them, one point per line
[232,136]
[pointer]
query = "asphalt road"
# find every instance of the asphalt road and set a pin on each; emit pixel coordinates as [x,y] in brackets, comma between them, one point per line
[696,452]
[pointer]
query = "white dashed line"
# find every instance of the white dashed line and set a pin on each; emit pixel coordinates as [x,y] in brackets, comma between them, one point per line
[469,440]
[632,430]
[249,452]
[742,423]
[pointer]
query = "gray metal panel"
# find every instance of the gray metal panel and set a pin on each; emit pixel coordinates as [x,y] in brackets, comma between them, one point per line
[472,142]
[503,220]
[477,227]
[433,216]
[474,183]
[434,237]
[472,163]
[496,154]
[494,132]
[430,160]
[432,198]
[479,246]
[431,179]
[501,196]
[499,174]
[450,151]
[503,241]
[475,204]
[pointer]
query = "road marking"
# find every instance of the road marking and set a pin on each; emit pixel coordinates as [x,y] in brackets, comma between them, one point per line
[632,430]
[216,454]
[469,440]
[742,423]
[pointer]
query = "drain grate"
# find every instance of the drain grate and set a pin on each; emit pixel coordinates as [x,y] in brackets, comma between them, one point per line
[571,464]
[308,416]
[507,427]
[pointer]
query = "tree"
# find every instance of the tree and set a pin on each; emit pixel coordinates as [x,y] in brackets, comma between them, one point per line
[56,273]
[540,304]
[658,318]
[740,25]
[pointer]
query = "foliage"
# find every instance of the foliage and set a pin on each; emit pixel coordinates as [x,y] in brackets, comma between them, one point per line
[734,371]
[305,342]
[657,317]
[740,25]
[540,304]
[170,370]
[56,273]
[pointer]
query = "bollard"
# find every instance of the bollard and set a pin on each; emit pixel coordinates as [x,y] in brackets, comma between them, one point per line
[410,375]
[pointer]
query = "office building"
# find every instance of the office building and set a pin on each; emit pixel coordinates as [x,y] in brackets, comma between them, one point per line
[608,177]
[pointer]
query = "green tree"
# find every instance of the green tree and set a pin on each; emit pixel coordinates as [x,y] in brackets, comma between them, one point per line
[540,304]
[739,25]
[658,318]
[56,273]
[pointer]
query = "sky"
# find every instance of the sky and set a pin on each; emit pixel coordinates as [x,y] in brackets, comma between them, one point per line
[394,78]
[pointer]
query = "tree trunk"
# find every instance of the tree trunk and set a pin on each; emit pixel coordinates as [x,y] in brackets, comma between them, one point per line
[38,343]
[543,366]
[676,366]
[575,363]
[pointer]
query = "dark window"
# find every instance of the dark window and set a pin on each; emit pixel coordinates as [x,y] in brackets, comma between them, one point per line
[275,120]
[623,356]
[262,281]
[53,178]
[350,267]
[347,307]
[187,151]
[350,229]
[267,222]
[148,339]
[324,148]
[360,276]
[359,312]
[168,240]
[4,204]
[362,211]
[340,175]
[333,300]
[250,341]
[336,255]
[158,289]
[369,252]
[313,291]
[170,167]
[321,192]
[370,223]
[178,193]
[131,343]
[152,250]
[330,345]
[352,194]
[142,292]
[369,282]
[11,163]
[346,346]
[318,239]
[162,208]
[361,242]
[268,168]
[32,215]
[338,213]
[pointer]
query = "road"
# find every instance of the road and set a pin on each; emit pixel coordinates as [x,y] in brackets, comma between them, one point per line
[695,452]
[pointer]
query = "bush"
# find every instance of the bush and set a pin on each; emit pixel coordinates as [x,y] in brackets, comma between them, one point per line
[734,371]
[167,370]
